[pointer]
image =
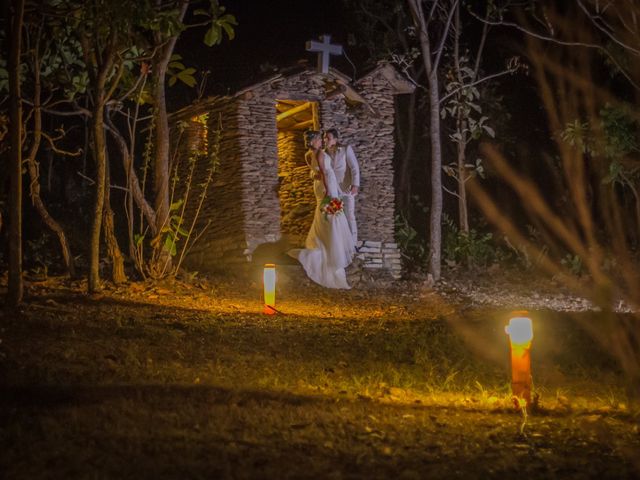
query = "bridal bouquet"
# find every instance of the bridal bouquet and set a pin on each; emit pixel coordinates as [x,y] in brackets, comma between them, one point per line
[331,206]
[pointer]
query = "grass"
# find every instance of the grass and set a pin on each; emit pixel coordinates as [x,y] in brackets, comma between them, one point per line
[183,381]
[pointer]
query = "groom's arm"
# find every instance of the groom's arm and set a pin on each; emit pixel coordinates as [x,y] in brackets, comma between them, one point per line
[352,162]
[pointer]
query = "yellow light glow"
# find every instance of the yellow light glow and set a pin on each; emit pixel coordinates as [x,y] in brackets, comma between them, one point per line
[520,330]
[269,282]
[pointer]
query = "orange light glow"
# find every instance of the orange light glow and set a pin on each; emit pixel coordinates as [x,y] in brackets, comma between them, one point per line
[269,282]
[520,333]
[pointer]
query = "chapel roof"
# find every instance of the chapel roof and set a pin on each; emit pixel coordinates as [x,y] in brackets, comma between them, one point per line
[335,82]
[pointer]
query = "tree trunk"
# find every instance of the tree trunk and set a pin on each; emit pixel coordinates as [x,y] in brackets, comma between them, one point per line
[461,143]
[113,249]
[435,217]
[97,123]
[463,212]
[134,194]
[161,167]
[14,21]
[431,69]
[133,184]
[34,173]
[99,78]
[50,221]
[161,258]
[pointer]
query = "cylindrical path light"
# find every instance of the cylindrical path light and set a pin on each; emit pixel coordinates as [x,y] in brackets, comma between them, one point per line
[269,282]
[520,333]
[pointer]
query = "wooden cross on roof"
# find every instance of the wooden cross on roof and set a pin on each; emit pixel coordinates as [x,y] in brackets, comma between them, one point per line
[324,48]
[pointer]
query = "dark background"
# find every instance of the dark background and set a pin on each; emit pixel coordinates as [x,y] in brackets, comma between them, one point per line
[270,35]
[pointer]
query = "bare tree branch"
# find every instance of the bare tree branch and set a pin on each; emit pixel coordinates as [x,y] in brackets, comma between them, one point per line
[61,151]
[481,80]
[443,39]
[560,42]
[607,32]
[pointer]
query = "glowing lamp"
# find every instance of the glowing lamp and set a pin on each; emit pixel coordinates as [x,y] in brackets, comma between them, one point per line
[269,282]
[520,333]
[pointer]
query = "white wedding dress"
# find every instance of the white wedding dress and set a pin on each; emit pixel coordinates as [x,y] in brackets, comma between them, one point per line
[329,244]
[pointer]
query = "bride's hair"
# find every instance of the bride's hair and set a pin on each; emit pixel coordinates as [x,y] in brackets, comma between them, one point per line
[311,135]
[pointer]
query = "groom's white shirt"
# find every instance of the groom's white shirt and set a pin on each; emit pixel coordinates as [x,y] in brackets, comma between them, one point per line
[345,165]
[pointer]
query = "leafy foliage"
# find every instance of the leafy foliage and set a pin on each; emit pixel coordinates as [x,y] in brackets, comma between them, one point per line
[573,263]
[521,252]
[178,71]
[412,247]
[464,104]
[617,144]
[178,235]
[174,231]
[473,249]
[220,22]
[577,135]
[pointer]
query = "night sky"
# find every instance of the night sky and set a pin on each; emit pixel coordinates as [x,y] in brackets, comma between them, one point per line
[270,35]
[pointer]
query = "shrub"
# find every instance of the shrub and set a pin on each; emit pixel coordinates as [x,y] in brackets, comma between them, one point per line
[473,249]
[412,247]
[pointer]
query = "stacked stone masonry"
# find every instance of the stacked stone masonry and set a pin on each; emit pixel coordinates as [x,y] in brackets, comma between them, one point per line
[261,190]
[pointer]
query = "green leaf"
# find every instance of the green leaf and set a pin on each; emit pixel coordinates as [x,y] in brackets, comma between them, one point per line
[212,37]
[229,19]
[229,29]
[170,246]
[138,239]
[176,205]
[189,81]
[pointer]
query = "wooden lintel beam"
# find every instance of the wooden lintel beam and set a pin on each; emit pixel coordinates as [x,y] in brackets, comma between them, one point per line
[293,111]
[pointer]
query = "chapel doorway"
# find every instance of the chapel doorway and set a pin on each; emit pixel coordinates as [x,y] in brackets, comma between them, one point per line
[297,201]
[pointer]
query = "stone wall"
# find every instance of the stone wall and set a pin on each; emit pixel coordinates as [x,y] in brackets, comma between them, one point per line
[259,158]
[220,224]
[297,201]
[374,131]
[262,99]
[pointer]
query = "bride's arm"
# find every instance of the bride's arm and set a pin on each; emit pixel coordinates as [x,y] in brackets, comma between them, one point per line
[320,161]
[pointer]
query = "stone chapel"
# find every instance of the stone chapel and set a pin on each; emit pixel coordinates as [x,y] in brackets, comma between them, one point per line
[261,192]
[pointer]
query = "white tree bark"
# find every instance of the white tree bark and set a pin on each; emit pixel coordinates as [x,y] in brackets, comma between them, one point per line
[431,54]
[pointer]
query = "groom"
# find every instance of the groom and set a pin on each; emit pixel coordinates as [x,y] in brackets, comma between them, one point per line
[345,166]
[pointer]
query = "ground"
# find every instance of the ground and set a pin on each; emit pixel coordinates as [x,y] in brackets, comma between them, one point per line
[189,379]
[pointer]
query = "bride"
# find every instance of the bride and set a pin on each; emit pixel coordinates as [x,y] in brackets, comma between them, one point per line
[329,246]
